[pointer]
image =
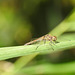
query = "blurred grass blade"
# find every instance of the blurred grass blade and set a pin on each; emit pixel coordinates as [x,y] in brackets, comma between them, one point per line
[50,69]
[22,61]
[72,28]
[65,25]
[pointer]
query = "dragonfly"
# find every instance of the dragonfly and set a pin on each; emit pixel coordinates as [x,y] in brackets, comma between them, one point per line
[44,38]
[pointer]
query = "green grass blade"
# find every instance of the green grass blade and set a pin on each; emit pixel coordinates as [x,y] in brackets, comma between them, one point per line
[22,61]
[65,25]
[10,52]
[72,28]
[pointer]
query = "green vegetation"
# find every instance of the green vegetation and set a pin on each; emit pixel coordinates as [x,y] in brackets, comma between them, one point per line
[65,32]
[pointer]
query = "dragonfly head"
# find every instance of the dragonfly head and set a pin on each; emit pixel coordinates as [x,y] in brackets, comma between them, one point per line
[54,38]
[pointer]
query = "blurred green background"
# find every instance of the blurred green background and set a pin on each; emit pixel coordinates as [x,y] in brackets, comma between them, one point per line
[22,20]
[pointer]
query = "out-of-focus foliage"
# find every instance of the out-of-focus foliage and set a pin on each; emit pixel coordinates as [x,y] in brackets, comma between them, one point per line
[19,19]
[22,20]
[13,28]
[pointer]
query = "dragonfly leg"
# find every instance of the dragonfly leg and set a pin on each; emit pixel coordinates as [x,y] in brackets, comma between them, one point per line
[44,43]
[52,42]
[38,45]
[51,45]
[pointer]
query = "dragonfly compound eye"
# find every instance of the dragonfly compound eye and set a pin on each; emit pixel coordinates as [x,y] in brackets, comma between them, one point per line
[54,38]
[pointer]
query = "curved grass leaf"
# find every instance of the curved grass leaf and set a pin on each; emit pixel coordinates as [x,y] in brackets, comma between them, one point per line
[11,52]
